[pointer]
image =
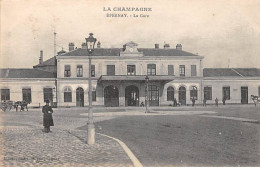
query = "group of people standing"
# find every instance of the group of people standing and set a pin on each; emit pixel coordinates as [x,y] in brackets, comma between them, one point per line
[193,100]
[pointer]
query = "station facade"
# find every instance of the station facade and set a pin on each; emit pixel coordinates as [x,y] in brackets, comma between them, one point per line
[120,77]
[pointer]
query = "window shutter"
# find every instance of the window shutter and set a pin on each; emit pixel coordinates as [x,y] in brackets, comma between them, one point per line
[170,70]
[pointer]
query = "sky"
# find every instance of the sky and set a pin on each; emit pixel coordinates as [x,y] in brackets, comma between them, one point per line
[226,33]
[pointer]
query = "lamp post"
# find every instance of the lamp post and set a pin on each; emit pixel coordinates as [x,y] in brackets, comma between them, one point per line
[90,41]
[147,95]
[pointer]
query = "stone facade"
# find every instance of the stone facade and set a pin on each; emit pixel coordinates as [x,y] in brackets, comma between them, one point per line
[123,79]
[119,79]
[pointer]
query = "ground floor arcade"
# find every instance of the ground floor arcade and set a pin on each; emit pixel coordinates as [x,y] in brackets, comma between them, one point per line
[127,93]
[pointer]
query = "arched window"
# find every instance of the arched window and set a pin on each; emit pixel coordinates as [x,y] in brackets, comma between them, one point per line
[67,94]
[170,93]
[194,92]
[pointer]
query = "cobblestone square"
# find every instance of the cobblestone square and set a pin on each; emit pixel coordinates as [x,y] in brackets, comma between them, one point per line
[24,144]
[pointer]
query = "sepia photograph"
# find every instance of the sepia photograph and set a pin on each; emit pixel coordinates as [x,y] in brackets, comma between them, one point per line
[129,83]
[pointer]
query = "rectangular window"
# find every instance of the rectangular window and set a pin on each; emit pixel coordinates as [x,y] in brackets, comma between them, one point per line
[226,93]
[93,71]
[5,94]
[110,70]
[27,95]
[170,70]
[193,70]
[67,72]
[130,69]
[151,69]
[208,93]
[94,98]
[79,71]
[47,94]
[182,70]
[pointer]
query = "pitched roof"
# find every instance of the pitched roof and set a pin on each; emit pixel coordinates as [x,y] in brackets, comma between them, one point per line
[116,52]
[49,62]
[25,73]
[164,52]
[97,52]
[231,72]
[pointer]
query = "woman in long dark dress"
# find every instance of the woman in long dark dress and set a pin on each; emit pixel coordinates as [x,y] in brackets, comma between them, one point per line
[47,117]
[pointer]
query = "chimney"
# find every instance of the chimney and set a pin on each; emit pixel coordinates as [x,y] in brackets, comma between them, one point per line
[71,46]
[166,46]
[179,47]
[98,45]
[156,45]
[41,57]
[84,46]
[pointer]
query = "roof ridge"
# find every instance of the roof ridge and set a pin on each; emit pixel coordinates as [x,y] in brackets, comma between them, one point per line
[237,72]
[8,69]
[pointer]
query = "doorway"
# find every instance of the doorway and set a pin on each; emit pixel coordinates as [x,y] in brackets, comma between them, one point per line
[182,95]
[244,95]
[131,96]
[111,96]
[153,95]
[79,97]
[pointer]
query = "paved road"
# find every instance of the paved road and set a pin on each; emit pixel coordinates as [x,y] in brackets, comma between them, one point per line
[22,142]
[189,140]
[169,137]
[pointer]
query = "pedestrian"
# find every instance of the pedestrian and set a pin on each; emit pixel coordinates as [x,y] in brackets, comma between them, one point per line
[204,102]
[224,100]
[47,117]
[22,105]
[174,102]
[216,102]
[193,101]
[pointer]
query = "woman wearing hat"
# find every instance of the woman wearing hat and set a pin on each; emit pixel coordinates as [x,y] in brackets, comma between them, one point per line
[47,117]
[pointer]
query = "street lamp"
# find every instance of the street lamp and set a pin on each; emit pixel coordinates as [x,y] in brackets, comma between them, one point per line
[146,98]
[90,41]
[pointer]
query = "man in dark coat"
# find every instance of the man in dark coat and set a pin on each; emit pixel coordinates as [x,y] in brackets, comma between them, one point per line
[204,102]
[174,102]
[193,101]
[47,117]
[224,100]
[216,101]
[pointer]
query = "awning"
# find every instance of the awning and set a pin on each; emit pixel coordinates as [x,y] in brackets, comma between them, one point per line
[162,78]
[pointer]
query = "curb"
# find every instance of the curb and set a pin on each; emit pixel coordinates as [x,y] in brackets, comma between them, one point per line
[129,153]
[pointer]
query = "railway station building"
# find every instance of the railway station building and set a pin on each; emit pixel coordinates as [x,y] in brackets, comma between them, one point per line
[120,77]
